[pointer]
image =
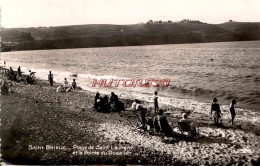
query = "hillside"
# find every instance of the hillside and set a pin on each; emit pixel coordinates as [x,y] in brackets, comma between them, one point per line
[105,35]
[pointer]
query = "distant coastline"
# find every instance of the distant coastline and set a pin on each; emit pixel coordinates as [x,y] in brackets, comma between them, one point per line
[107,35]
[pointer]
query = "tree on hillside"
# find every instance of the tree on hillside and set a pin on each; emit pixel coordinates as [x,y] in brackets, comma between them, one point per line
[150,22]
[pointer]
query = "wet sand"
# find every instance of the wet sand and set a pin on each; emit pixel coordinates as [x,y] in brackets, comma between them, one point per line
[40,126]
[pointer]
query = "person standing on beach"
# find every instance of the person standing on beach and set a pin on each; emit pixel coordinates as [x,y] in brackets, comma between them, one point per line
[232,111]
[155,99]
[4,63]
[50,78]
[215,111]
[74,84]
[12,73]
[19,71]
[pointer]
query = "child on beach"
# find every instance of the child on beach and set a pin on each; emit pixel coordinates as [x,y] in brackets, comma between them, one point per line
[215,111]
[50,78]
[232,111]
[155,99]
[185,118]
[74,84]
[66,83]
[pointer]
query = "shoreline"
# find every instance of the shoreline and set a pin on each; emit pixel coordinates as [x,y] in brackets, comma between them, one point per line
[171,95]
[40,116]
[131,46]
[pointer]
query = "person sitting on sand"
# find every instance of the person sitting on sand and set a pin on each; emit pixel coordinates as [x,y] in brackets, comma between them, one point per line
[60,89]
[133,106]
[74,84]
[29,80]
[69,89]
[115,104]
[97,101]
[66,84]
[18,78]
[232,111]
[50,78]
[4,89]
[32,74]
[104,105]
[185,118]
[143,115]
[113,98]
[215,111]
[161,124]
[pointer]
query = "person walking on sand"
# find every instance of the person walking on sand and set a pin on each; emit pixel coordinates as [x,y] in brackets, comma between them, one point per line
[19,71]
[50,78]
[232,111]
[215,111]
[74,84]
[155,99]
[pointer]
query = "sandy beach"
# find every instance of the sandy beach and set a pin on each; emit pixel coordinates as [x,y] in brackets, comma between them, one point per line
[40,126]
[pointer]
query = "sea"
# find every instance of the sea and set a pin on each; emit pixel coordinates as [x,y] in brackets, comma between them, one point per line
[197,72]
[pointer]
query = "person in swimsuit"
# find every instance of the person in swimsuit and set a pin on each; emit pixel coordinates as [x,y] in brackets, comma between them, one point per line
[215,111]
[74,84]
[50,78]
[66,83]
[19,71]
[232,111]
[161,124]
[155,99]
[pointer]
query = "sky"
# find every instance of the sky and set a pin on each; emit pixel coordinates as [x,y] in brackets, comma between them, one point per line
[34,13]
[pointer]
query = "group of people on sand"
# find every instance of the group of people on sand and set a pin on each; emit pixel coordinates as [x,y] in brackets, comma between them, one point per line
[12,76]
[159,122]
[17,77]
[106,105]
[30,78]
[216,112]
[65,87]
